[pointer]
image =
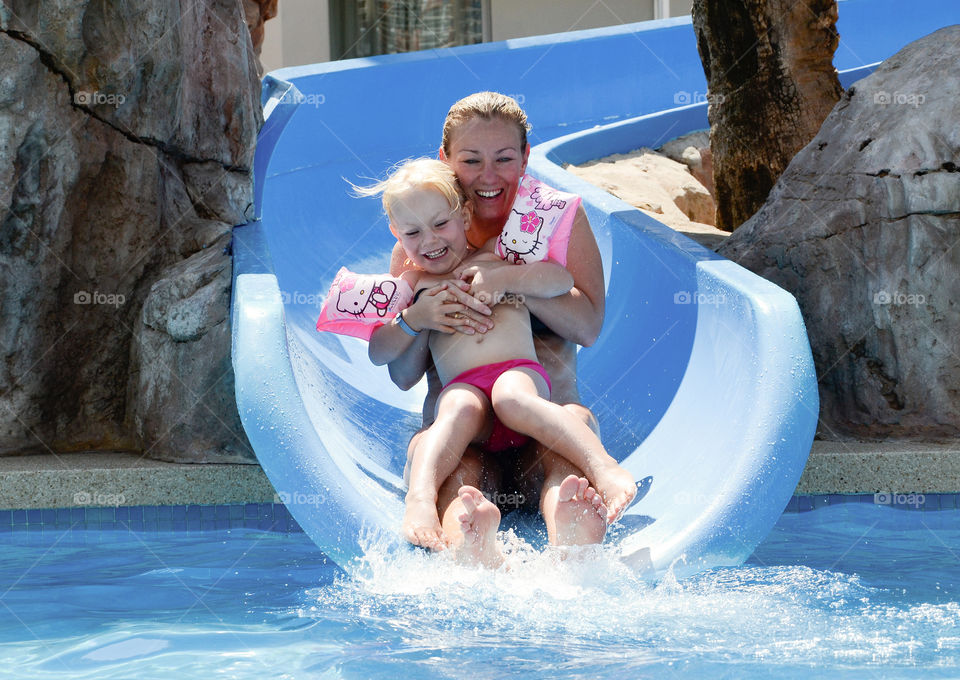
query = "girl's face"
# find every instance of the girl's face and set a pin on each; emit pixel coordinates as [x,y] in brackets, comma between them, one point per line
[489,163]
[431,233]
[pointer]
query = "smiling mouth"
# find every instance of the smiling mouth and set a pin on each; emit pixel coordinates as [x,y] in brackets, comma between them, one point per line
[489,194]
[436,254]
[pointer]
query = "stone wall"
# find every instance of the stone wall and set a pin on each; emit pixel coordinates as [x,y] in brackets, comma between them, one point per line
[127,133]
[864,229]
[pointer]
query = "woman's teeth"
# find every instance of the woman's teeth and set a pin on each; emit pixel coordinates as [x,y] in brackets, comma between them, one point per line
[435,254]
[489,194]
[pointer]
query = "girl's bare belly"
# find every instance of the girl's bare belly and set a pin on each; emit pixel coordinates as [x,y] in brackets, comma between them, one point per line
[510,338]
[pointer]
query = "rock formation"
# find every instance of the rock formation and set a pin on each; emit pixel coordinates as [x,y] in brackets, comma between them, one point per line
[864,229]
[127,133]
[769,68]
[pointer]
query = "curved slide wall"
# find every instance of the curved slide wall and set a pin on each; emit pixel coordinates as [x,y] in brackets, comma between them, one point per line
[701,379]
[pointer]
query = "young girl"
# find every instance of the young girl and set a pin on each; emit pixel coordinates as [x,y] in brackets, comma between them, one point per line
[495,369]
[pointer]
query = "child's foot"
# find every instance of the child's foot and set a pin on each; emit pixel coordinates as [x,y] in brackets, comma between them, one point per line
[479,523]
[581,517]
[421,524]
[618,489]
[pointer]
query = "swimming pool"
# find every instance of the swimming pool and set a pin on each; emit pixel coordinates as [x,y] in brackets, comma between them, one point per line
[844,590]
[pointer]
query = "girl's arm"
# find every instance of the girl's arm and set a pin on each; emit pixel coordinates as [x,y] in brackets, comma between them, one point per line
[428,313]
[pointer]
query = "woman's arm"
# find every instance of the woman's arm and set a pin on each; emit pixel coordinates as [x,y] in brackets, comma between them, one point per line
[577,315]
[490,278]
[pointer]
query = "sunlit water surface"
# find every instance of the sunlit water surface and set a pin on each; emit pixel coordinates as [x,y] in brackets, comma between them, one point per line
[843,591]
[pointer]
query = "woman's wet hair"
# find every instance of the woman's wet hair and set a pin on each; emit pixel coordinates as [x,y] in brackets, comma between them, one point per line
[485,105]
[417,173]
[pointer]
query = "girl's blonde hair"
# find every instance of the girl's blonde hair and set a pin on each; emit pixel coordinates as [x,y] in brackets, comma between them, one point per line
[485,105]
[418,173]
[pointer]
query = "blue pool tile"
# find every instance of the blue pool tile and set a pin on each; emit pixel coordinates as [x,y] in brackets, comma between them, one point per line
[78,515]
[179,524]
[804,504]
[164,512]
[48,516]
[149,513]
[19,516]
[208,511]
[193,525]
[236,512]
[165,525]
[136,525]
[250,510]
[63,516]
[931,502]
[34,516]
[193,512]
[6,517]
[178,513]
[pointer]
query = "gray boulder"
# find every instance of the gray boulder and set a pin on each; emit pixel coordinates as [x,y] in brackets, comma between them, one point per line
[864,229]
[127,133]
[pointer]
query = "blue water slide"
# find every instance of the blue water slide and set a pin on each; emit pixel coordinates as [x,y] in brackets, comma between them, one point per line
[702,378]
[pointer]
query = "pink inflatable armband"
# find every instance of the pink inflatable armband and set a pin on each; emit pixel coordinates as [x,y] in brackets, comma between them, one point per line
[539,224]
[358,304]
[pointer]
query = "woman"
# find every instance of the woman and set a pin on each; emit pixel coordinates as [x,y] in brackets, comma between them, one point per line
[485,142]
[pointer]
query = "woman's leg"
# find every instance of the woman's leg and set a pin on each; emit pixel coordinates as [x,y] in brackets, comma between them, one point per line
[521,401]
[434,453]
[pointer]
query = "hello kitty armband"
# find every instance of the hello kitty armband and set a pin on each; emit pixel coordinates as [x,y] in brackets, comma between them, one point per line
[358,304]
[539,225]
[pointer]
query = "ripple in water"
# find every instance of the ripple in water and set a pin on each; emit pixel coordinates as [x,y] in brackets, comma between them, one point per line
[586,613]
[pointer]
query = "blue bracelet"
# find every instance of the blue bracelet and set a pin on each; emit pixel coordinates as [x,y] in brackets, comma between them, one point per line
[405,327]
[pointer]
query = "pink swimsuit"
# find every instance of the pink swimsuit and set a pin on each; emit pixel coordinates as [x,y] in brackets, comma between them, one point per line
[483,377]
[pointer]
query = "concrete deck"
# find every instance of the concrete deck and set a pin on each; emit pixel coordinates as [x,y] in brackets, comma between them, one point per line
[126,479]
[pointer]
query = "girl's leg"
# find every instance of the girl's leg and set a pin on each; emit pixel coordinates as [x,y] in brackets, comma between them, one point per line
[462,412]
[521,401]
[470,521]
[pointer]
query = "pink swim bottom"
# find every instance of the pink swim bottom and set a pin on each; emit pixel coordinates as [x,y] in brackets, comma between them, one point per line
[483,377]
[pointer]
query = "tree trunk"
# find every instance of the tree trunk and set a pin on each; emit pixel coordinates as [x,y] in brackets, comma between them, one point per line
[769,68]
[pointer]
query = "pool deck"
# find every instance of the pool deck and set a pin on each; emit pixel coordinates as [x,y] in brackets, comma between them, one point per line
[128,479]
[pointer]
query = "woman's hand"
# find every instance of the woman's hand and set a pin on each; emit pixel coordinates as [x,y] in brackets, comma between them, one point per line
[449,307]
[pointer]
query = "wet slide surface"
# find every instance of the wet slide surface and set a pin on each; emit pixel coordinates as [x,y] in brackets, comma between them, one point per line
[702,379]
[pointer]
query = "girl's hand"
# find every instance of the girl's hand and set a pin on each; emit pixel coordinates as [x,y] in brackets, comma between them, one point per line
[448,307]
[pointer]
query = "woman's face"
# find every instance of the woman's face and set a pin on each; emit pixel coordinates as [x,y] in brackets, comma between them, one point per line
[431,233]
[489,163]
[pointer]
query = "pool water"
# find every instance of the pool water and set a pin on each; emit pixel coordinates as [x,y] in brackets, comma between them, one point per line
[852,590]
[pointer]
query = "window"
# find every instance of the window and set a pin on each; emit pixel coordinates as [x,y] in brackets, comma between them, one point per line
[364,28]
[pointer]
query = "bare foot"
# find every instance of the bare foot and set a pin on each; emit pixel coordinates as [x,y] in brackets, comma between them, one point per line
[421,524]
[479,523]
[618,489]
[581,517]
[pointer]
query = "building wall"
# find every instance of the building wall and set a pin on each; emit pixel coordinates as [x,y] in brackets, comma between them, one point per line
[300,33]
